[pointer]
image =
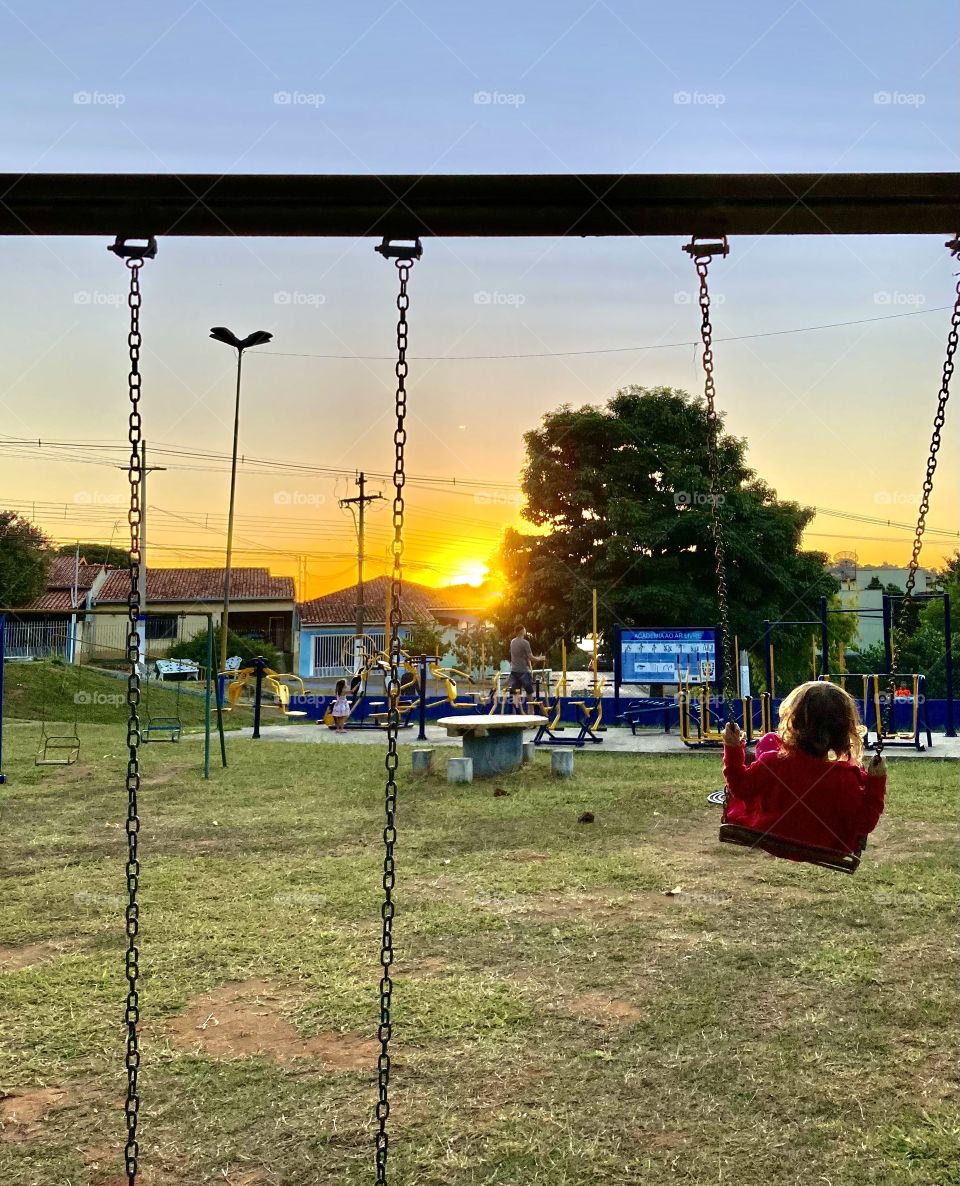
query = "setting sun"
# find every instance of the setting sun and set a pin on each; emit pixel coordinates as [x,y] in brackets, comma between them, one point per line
[471,572]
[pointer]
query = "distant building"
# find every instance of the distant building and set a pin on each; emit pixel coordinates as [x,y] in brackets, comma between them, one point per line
[261,607]
[327,625]
[855,592]
[72,585]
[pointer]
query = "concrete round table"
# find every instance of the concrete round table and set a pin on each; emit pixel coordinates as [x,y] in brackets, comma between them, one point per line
[495,743]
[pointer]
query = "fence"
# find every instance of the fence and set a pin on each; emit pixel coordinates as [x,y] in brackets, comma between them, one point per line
[37,640]
[333,653]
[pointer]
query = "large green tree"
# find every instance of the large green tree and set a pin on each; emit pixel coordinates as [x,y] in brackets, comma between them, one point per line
[620,495]
[24,559]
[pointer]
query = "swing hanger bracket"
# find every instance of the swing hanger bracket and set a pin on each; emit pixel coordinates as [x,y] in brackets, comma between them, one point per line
[700,248]
[402,249]
[136,247]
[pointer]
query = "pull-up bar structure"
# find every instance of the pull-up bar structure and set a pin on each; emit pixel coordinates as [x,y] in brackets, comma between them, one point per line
[525,205]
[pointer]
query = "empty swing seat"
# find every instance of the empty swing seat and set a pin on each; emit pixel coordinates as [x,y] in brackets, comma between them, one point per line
[58,750]
[162,729]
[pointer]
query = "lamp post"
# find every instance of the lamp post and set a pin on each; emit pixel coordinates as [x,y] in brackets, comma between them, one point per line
[259,337]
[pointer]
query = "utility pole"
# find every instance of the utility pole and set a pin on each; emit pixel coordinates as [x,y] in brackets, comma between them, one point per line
[142,584]
[359,501]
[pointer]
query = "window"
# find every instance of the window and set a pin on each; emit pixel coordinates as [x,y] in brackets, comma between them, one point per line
[161,629]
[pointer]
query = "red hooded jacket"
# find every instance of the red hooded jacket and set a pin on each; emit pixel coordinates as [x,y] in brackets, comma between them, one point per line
[798,797]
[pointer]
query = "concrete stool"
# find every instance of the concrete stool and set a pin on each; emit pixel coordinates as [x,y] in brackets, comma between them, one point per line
[561,763]
[460,770]
[422,761]
[529,753]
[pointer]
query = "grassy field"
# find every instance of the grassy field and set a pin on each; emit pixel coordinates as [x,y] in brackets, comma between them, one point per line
[57,691]
[621,1001]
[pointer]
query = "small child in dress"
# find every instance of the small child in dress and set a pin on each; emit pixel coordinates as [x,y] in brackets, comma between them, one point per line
[806,782]
[341,706]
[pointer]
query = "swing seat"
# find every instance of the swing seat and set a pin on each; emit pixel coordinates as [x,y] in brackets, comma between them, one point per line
[60,750]
[162,729]
[778,846]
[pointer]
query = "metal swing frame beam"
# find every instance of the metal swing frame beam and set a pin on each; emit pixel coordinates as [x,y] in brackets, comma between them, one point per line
[479,205]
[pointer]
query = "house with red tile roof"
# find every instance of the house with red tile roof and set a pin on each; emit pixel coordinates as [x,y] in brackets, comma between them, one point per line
[261,607]
[72,585]
[327,625]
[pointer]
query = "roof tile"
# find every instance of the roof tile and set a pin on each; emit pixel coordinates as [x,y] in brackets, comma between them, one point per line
[200,584]
[339,608]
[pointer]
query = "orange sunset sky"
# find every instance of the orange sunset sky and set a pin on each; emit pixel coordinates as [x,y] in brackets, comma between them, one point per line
[837,418]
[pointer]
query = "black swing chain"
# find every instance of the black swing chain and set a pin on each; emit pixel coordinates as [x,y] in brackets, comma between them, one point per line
[133,257]
[701,255]
[899,625]
[404,263]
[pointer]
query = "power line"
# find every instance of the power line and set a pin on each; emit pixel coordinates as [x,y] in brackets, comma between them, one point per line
[264,464]
[774,333]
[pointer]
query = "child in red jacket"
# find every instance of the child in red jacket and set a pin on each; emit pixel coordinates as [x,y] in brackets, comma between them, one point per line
[806,782]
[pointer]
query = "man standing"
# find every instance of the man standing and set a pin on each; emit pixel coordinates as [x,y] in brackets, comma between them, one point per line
[521,662]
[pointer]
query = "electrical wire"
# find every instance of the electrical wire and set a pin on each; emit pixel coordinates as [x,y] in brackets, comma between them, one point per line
[774,333]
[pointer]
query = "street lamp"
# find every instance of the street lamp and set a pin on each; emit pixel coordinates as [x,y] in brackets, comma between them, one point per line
[259,337]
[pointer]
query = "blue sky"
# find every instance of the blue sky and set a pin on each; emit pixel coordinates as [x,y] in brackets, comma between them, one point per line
[837,418]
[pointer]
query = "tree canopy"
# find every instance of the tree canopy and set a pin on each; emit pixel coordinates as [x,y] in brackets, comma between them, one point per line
[96,553]
[24,559]
[620,495]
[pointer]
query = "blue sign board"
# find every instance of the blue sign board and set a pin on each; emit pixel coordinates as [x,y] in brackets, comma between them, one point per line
[667,656]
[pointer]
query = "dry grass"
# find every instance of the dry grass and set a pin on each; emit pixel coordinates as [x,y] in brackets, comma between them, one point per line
[575,1005]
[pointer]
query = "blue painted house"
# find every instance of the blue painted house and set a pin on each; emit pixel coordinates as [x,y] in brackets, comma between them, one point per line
[326,625]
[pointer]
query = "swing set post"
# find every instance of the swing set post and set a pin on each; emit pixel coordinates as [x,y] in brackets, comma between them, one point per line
[947,659]
[3,628]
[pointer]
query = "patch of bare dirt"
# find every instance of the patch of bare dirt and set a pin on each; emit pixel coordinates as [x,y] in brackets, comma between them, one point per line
[244,1019]
[596,1006]
[22,1114]
[431,966]
[247,1178]
[666,1139]
[28,955]
[159,780]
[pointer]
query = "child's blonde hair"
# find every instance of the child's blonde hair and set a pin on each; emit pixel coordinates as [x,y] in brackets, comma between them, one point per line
[820,718]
